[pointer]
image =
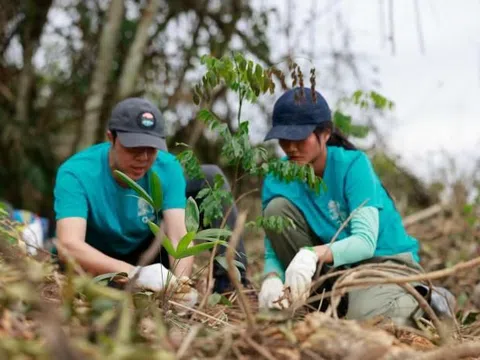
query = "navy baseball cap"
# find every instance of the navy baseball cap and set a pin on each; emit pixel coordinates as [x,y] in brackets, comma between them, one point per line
[138,122]
[296,116]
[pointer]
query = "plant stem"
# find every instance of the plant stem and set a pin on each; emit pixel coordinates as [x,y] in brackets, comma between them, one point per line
[240,107]
[239,226]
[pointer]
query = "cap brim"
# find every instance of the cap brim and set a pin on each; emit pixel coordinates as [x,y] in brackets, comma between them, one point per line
[129,140]
[290,132]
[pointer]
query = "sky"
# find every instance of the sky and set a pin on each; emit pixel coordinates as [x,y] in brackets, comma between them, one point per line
[436,92]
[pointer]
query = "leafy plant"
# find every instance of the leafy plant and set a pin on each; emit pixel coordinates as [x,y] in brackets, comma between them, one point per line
[211,237]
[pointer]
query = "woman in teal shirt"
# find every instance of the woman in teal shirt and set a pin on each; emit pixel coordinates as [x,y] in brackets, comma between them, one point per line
[374,233]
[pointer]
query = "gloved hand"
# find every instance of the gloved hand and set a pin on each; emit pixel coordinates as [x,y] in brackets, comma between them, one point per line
[271,291]
[298,276]
[157,277]
[183,292]
[153,277]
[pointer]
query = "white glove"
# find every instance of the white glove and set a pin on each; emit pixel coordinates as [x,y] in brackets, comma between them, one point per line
[184,292]
[157,277]
[298,276]
[153,277]
[270,293]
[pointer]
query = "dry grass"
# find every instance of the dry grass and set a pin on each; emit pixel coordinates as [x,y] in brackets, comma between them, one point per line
[48,315]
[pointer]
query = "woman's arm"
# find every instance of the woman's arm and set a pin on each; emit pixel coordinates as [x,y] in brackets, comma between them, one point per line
[272,264]
[360,245]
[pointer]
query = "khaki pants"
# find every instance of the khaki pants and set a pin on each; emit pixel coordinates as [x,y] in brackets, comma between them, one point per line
[388,300]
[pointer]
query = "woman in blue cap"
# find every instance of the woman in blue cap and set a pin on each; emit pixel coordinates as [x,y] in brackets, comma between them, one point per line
[375,232]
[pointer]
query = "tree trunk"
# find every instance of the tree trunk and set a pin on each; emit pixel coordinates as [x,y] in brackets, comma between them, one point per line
[35,19]
[136,51]
[108,43]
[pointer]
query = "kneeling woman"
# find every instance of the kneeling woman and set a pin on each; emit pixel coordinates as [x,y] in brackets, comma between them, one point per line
[374,233]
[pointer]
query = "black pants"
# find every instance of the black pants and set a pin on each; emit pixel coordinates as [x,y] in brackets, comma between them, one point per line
[133,257]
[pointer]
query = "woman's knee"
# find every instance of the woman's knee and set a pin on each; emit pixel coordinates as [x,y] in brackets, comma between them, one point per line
[278,206]
[388,301]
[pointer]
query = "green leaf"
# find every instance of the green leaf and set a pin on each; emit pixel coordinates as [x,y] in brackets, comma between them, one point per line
[225,301]
[156,189]
[190,164]
[153,227]
[203,193]
[197,249]
[206,116]
[222,260]
[192,215]
[138,189]
[214,299]
[107,276]
[166,243]
[184,243]
[213,234]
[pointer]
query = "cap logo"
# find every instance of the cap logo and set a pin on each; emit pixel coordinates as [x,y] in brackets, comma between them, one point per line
[146,120]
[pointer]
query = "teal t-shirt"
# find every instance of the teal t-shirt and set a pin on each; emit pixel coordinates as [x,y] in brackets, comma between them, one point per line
[350,180]
[116,216]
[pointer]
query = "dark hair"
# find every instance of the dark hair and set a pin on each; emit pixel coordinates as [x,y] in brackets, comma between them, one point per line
[338,139]
[114,135]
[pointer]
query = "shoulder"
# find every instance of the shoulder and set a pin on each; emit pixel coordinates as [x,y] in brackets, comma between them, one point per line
[340,155]
[344,160]
[86,163]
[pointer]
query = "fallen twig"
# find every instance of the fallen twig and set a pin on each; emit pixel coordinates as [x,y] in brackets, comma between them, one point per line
[260,349]
[188,340]
[415,278]
[199,312]
[460,351]
[422,215]
[237,231]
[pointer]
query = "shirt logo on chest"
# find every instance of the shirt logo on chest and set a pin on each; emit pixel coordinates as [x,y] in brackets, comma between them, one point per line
[337,214]
[144,211]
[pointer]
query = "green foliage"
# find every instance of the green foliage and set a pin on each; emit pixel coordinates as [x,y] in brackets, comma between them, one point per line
[134,186]
[289,171]
[10,230]
[372,99]
[217,298]
[275,223]
[366,101]
[156,190]
[190,164]
[192,219]
[192,215]
[344,123]
[213,200]
[242,76]
[183,248]
[248,80]
[222,261]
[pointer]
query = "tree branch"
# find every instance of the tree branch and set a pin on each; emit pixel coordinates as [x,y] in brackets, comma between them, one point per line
[136,52]
[108,42]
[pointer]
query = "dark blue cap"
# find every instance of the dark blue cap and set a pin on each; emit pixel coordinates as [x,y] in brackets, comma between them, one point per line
[296,115]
